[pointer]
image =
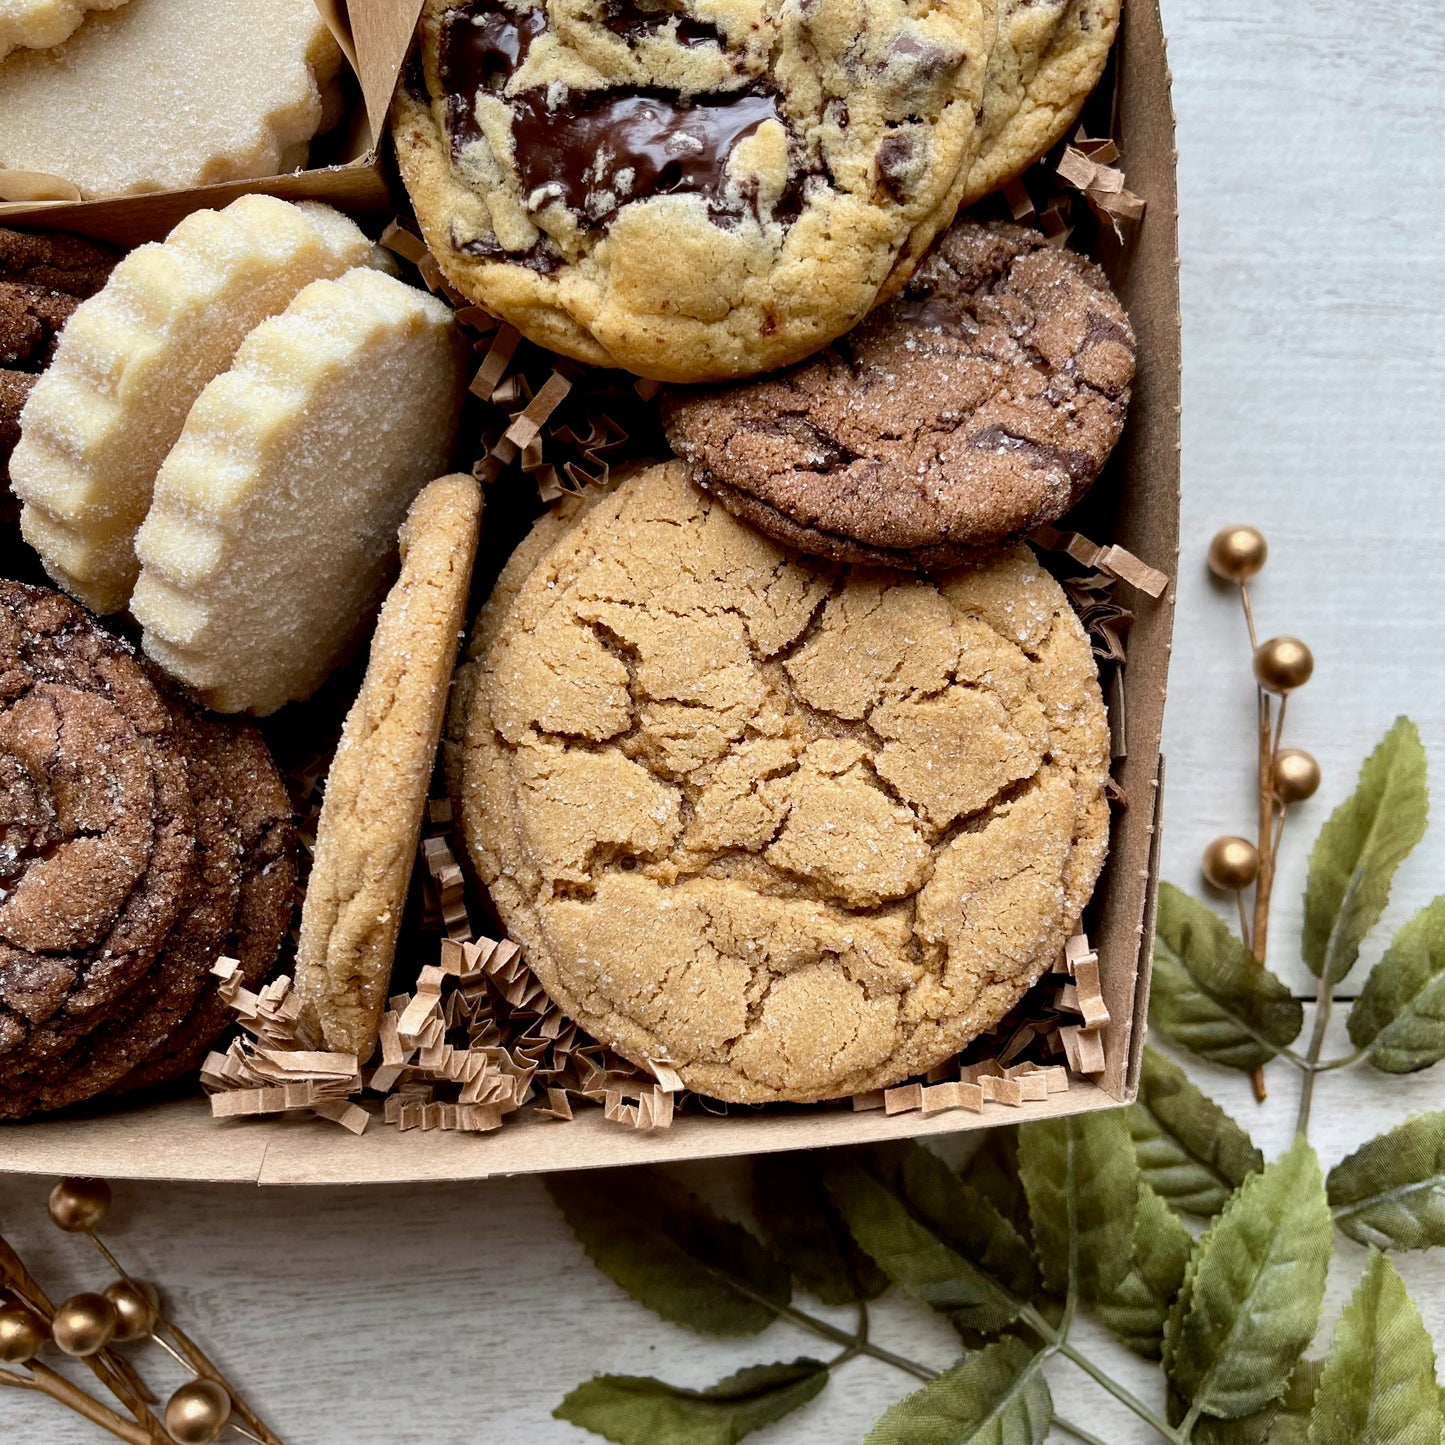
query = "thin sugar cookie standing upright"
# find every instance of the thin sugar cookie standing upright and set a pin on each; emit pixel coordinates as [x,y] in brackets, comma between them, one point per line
[377,788]
[273,530]
[133,359]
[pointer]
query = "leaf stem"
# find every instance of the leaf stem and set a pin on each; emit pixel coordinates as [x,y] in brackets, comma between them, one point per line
[1123,1396]
[1341,1063]
[858,1343]
[1077,1431]
[1324,1002]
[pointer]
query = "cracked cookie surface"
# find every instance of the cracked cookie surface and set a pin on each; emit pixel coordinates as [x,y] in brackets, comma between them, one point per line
[978,405]
[800,829]
[690,192]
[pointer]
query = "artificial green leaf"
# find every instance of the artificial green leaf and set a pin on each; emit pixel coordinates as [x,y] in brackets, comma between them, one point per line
[924,1232]
[1136,1309]
[1190,1152]
[1083,1187]
[1391,1191]
[1400,1014]
[638,1410]
[1361,845]
[669,1251]
[1255,1290]
[1378,1384]
[1210,994]
[994,1172]
[799,1218]
[995,1397]
[1284,1422]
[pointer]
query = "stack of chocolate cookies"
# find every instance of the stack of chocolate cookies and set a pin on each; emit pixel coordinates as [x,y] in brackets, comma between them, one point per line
[140,840]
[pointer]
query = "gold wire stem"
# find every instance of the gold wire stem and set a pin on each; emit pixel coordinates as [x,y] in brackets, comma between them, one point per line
[1248,616]
[171,1350]
[45,1381]
[1243,916]
[117,1374]
[1265,842]
[194,1356]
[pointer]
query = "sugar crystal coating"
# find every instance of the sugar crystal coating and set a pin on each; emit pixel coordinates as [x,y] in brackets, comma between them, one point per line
[37,24]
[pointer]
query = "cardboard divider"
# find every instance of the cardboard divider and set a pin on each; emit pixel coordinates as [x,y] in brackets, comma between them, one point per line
[1135,504]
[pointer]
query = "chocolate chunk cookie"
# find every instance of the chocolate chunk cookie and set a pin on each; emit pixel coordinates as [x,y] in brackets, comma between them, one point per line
[139,840]
[978,405]
[802,830]
[692,192]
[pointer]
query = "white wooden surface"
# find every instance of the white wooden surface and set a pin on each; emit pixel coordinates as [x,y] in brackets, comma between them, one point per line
[1312,166]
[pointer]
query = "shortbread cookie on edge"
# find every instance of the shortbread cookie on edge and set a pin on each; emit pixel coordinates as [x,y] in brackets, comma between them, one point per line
[799,830]
[978,405]
[272,533]
[691,195]
[131,363]
[39,24]
[166,94]
[376,791]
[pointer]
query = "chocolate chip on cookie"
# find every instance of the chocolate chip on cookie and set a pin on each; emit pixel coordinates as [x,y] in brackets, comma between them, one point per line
[980,404]
[690,192]
[802,830]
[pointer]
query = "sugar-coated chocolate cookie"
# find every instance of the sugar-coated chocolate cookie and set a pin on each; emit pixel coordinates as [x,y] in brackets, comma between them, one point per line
[166,94]
[122,865]
[799,829]
[690,192]
[273,525]
[134,359]
[376,790]
[979,404]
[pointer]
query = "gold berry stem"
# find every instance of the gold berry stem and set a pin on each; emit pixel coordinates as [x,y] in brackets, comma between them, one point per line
[46,1382]
[1265,884]
[192,1352]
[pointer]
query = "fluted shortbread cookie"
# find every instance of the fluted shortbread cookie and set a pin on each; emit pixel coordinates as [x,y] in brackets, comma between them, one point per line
[164,94]
[693,192]
[273,528]
[802,830]
[36,24]
[134,358]
[377,787]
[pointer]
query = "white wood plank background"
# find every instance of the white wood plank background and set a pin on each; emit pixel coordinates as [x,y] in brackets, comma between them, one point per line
[1312,167]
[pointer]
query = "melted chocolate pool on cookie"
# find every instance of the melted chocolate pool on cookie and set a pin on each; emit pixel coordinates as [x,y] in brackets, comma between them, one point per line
[595,153]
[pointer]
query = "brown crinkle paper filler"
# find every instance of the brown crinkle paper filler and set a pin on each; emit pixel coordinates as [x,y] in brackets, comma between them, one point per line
[1087,165]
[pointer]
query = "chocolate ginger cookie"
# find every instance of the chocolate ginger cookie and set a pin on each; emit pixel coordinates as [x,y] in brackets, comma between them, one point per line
[978,405]
[124,861]
[801,830]
[691,192]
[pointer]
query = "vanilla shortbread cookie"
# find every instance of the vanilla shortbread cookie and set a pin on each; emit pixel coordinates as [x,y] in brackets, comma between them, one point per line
[693,192]
[134,358]
[801,830]
[37,24]
[165,94]
[273,529]
[377,788]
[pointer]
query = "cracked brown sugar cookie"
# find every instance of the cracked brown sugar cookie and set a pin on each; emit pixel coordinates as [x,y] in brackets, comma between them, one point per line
[690,192]
[800,829]
[978,405]
[376,791]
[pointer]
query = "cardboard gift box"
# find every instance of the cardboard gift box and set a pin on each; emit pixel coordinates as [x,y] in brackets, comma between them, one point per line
[1135,505]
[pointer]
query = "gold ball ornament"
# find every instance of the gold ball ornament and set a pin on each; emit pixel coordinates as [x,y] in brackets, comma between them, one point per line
[79,1205]
[1283,664]
[1295,775]
[197,1413]
[136,1305]
[84,1325]
[1237,553]
[22,1334]
[1231,863]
